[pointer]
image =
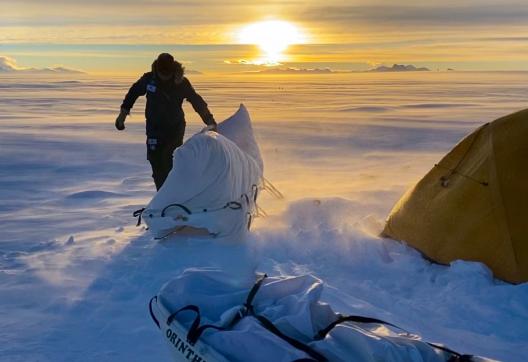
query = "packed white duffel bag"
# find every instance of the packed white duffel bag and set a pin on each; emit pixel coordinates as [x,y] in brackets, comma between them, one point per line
[212,188]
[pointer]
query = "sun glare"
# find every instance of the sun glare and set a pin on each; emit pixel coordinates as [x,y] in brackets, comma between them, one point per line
[273,37]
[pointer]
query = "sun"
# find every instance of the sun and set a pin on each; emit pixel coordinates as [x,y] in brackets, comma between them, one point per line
[272,36]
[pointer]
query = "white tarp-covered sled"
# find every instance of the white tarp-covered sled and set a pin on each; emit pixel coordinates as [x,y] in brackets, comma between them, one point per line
[213,185]
[205,316]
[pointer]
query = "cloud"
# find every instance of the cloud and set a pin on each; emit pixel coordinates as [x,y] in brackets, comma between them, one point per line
[477,13]
[8,65]
[260,62]
[291,70]
[128,13]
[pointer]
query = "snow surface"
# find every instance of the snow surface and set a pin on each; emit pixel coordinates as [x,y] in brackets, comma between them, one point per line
[76,274]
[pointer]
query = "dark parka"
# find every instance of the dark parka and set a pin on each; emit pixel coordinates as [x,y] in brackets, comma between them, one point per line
[164,115]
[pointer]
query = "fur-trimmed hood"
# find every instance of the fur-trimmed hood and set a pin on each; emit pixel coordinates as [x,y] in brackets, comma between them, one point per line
[178,72]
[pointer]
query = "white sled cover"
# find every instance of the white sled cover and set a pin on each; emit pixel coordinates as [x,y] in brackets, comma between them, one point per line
[292,304]
[211,189]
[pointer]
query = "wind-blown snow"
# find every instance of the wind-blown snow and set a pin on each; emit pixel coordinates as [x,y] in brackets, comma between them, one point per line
[76,274]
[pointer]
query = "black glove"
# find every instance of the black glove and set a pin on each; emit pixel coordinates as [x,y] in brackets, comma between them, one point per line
[208,119]
[212,126]
[120,120]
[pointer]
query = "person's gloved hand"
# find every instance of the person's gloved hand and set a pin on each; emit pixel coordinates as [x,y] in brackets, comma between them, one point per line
[212,127]
[208,119]
[120,120]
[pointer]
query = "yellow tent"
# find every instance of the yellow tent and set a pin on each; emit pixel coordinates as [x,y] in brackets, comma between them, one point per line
[473,205]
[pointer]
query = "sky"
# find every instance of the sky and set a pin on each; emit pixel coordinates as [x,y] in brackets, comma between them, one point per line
[124,36]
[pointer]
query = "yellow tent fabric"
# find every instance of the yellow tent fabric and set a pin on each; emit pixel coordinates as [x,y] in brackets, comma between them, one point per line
[473,205]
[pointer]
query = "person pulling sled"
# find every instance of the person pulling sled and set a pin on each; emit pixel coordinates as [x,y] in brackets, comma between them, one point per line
[165,87]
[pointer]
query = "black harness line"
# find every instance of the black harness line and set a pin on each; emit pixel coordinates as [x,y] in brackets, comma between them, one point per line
[456,357]
[233,205]
[137,214]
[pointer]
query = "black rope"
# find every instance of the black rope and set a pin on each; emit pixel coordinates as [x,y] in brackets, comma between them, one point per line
[246,198]
[195,334]
[455,356]
[137,214]
[247,307]
[195,324]
[190,307]
[170,233]
[249,310]
[250,219]
[253,292]
[175,205]
[295,343]
[461,358]
[233,205]
[351,318]
[152,312]
[445,349]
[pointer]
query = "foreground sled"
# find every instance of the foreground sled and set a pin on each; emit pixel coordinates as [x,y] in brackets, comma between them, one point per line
[205,316]
[212,188]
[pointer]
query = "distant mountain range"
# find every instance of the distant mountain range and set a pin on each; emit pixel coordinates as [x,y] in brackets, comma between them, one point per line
[399,68]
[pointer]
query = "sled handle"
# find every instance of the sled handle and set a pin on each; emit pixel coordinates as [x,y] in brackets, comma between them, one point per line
[177,205]
[152,313]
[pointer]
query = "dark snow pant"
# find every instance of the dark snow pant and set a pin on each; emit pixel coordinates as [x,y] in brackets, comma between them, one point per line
[159,154]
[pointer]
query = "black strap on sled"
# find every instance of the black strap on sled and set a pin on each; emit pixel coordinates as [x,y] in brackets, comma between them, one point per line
[249,310]
[247,307]
[233,205]
[152,313]
[455,356]
[350,318]
[266,323]
[137,214]
[195,324]
[183,207]
[252,293]
[461,358]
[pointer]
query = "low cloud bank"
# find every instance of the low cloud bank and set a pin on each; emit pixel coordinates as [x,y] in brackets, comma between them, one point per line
[9,65]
